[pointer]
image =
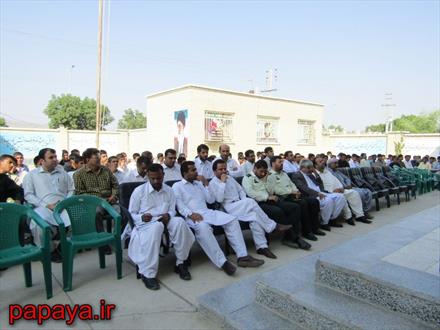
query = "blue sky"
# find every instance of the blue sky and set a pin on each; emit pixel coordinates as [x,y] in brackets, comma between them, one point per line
[345,54]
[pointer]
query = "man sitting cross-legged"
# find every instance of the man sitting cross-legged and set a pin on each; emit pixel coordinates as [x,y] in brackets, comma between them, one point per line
[192,194]
[255,185]
[233,198]
[331,204]
[153,208]
[279,184]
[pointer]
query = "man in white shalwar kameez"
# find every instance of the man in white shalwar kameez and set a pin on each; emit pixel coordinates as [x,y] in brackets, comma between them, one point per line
[153,207]
[192,194]
[332,184]
[232,196]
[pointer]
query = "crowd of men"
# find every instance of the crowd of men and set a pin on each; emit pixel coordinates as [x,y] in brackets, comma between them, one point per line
[299,198]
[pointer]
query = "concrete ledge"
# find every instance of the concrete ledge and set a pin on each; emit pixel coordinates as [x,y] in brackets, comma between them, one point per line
[383,292]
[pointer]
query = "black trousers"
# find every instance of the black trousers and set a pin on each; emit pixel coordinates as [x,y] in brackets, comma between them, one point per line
[285,213]
[309,212]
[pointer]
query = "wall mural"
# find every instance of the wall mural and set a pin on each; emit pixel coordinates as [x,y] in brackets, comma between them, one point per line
[29,143]
[375,145]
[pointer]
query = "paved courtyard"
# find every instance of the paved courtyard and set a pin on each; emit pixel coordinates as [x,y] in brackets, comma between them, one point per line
[174,306]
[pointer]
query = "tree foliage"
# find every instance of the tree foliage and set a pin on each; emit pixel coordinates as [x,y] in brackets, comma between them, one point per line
[75,113]
[132,119]
[423,123]
[3,122]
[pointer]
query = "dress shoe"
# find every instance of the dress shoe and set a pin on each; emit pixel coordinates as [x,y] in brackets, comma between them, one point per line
[138,275]
[310,236]
[151,283]
[249,261]
[335,224]
[319,232]
[369,216]
[183,272]
[229,268]
[325,227]
[267,253]
[56,257]
[302,244]
[351,222]
[364,220]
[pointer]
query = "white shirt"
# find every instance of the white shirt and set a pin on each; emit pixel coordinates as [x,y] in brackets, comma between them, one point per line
[226,192]
[408,164]
[145,199]
[192,198]
[42,187]
[290,167]
[171,173]
[353,164]
[330,181]
[234,169]
[247,167]
[133,176]
[204,168]
[120,176]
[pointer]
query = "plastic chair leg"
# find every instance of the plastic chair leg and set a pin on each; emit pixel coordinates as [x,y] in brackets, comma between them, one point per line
[398,198]
[387,197]
[68,260]
[377,204]
[118,254]
[47,269]
[101,257]
[27,274]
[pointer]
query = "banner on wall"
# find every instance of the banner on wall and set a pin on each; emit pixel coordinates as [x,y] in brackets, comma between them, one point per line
[218,126]
[181,132]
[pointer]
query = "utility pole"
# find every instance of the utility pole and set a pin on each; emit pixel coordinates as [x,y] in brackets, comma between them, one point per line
[98,73]
[389,108]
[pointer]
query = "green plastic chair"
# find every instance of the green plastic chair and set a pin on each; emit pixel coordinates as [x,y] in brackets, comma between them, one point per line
[82,213]
[13,253]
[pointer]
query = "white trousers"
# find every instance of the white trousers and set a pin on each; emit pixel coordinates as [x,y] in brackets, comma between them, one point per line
[145,241]
[248,210]
[208,242]
[331,206]
[46,215]
[354,204]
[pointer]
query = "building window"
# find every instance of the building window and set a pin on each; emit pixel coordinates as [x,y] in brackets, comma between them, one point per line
[267,129]
[219,126]
[306,132]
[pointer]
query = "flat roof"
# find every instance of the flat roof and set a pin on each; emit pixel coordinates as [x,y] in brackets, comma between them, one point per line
[225,91]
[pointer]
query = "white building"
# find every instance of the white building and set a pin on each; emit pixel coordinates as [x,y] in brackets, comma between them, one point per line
[242,120]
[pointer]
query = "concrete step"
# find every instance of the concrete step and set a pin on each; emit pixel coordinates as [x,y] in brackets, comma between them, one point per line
[398,289]
[318,307]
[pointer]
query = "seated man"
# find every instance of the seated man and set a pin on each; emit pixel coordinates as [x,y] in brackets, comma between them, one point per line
[153,208]
[203,165]
[192,194]
[365,194]
[332,184]
[279,184]
[139,174]
[77,163]
[44,187]
[170,168]
[234,168]
[255,185]
[112,165]
[289,164]
[231,195]
[97,180]
[268,151]
[9,190]
[331,204]
[248,165]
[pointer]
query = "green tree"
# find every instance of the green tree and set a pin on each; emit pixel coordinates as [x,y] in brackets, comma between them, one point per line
[75,113]
[132,119]
[422,123]
[3,122]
